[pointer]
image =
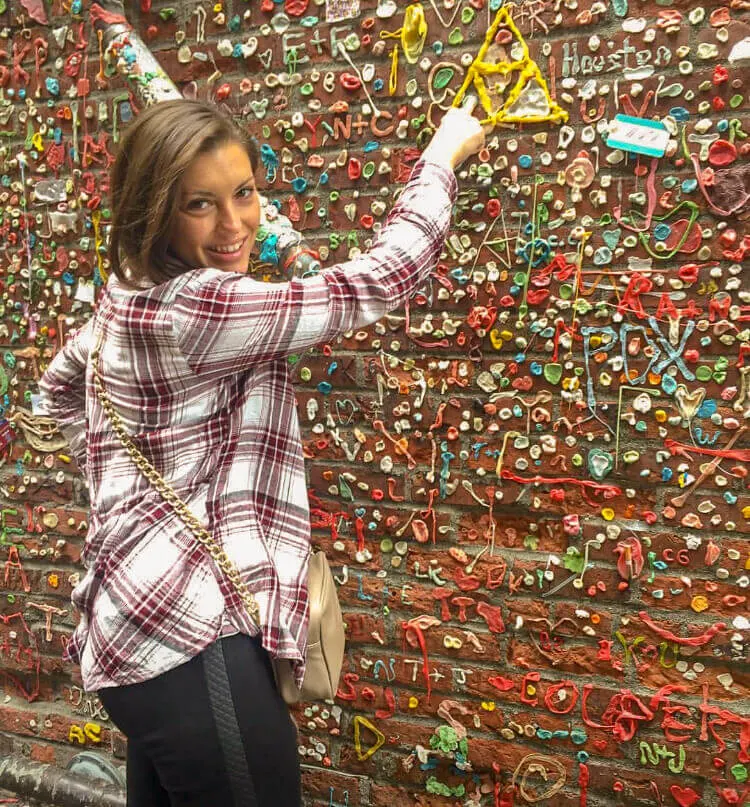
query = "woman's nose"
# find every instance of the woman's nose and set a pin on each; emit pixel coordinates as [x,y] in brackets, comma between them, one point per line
[229,218]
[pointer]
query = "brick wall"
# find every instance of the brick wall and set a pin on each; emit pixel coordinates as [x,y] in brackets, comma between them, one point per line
[533,490]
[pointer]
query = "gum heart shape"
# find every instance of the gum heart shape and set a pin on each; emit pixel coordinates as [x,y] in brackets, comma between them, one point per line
[689,402]
[345,411]
[265,57]
[350,210]
[684,796]
[600,463]
[611,237]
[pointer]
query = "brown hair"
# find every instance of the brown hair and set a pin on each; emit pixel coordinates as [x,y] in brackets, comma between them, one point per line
[154,154]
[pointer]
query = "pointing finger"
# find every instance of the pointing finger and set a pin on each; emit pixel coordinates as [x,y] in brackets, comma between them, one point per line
[469,103]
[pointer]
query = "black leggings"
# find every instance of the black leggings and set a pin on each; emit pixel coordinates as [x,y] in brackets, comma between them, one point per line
[213,732]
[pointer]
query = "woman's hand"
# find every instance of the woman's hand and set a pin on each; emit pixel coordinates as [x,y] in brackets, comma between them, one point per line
[459,136]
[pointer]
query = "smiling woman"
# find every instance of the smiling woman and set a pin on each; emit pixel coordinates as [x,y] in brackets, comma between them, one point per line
[177,401]
[218,211]
[183,194]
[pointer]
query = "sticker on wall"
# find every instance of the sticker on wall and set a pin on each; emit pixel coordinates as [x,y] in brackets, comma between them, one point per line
[507,80]
[638,135]
[337,10]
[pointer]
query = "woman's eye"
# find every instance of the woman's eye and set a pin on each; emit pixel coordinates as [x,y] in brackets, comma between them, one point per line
[246,193]
[197,204]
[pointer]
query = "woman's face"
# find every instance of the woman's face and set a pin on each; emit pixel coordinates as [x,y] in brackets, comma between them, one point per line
[218,211]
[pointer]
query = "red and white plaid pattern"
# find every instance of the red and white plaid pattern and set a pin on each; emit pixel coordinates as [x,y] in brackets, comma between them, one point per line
[197,368]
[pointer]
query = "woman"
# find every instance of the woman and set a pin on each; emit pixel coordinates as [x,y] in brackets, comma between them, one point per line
[194,360]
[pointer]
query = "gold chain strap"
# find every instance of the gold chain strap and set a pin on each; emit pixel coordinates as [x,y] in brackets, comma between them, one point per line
[170,497]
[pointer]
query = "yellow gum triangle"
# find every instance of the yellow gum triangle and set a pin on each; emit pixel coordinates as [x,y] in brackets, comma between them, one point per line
[362,722]
[529,74]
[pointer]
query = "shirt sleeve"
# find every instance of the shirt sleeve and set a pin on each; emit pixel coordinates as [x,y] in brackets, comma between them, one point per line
[63,391]
[226,322]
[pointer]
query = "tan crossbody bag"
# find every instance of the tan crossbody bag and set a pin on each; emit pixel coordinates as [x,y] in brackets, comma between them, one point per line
[326,639]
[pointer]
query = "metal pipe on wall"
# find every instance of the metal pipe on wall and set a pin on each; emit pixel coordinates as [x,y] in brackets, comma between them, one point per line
[49,784]
[131,54]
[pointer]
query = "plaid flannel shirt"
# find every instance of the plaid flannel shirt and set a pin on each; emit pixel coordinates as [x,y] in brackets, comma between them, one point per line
[197,369]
